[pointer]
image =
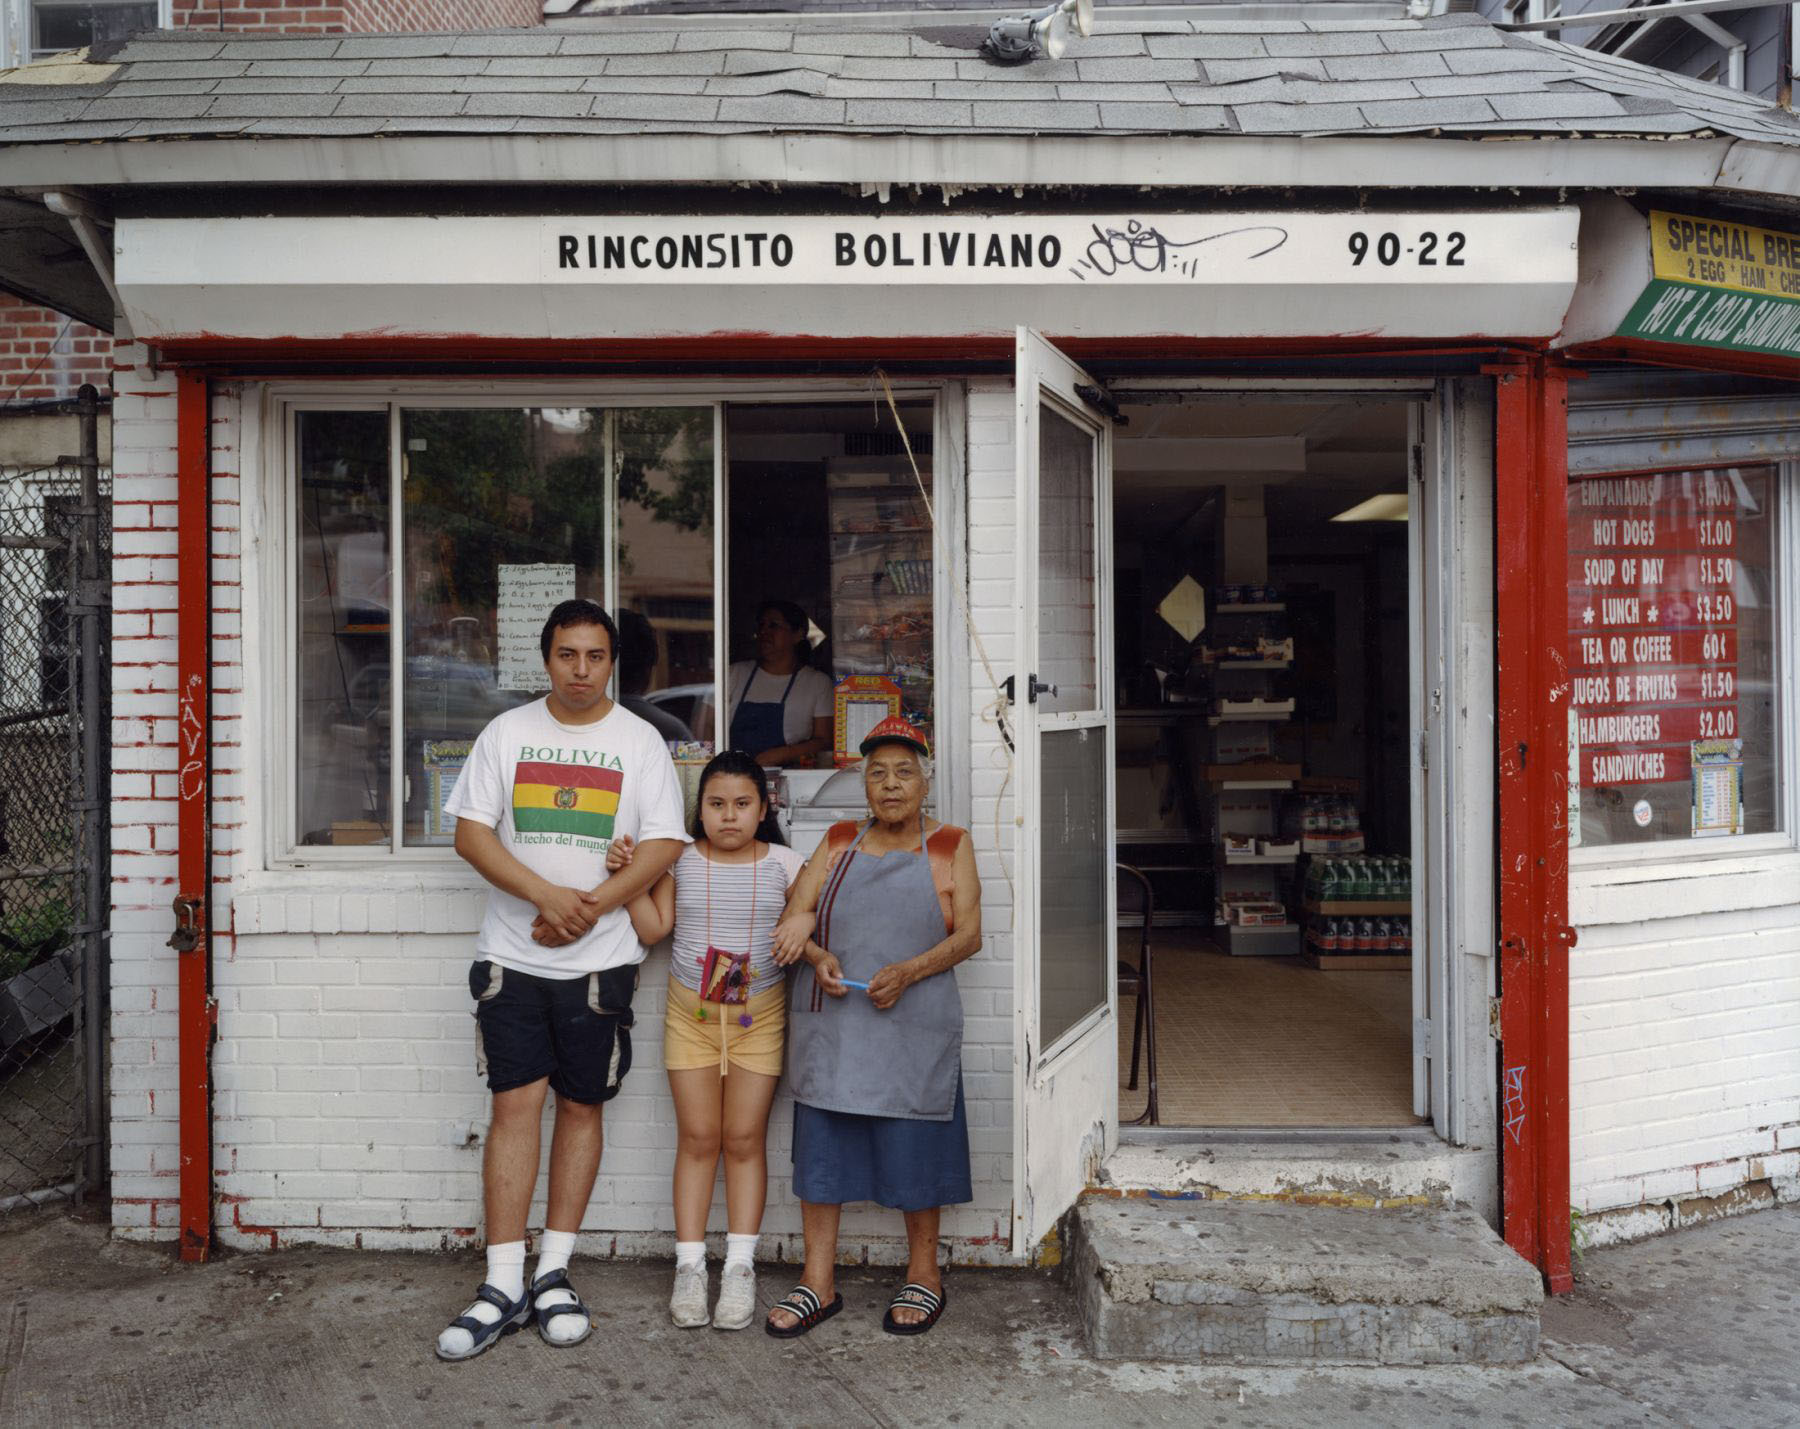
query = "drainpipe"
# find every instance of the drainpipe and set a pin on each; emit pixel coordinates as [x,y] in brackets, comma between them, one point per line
[197,1012]
[192,941]
[87,221]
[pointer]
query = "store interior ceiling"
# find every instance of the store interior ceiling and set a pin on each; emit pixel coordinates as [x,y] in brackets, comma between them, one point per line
[1312,458]
[818,431]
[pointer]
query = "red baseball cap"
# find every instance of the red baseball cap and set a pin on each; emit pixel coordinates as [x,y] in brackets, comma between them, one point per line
[894,730]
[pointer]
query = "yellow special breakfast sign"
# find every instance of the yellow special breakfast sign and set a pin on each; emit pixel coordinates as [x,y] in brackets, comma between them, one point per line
[1720,254]
[1719,284]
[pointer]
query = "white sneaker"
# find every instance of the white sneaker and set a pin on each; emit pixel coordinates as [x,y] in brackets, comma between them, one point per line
[687,1306]
[737,1298]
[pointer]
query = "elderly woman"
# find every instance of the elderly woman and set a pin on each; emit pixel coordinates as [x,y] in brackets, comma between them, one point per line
[875,1038]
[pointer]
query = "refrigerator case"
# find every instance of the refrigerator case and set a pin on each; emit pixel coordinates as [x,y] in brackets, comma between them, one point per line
[881,579]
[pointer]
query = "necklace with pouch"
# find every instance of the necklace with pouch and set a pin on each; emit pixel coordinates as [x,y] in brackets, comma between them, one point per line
[725,976]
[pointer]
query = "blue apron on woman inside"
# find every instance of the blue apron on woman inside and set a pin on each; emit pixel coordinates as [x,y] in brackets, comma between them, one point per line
[759,725]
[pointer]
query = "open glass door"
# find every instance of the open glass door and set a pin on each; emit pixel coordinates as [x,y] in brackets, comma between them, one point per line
[1440,852]
[1067,1047]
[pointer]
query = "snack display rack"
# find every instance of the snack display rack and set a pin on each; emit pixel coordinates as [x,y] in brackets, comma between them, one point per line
[882,579]
[1253,860]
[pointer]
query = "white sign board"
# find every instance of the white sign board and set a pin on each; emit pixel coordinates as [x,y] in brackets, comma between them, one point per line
[1169,249]
[1263,274]
[527,596]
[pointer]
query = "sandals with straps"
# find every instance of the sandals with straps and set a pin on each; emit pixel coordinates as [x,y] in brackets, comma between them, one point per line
[485,1333]
[914,1297]
[544,1314]
[807,1309]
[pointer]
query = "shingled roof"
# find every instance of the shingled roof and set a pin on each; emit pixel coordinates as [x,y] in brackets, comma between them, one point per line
[1197,71]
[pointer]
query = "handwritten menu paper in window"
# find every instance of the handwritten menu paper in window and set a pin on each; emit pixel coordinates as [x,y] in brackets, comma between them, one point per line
[527,596]
[1657,585]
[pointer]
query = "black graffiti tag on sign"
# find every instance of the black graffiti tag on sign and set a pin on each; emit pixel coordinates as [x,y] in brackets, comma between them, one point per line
[1144,248]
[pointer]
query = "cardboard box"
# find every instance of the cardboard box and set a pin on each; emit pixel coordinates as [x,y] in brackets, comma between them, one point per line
[1261,915]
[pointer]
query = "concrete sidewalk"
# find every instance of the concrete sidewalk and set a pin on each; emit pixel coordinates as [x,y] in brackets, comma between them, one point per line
[1698,1328]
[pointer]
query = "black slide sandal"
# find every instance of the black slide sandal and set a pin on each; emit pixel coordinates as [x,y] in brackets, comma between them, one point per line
[804,1304]
[914,1297]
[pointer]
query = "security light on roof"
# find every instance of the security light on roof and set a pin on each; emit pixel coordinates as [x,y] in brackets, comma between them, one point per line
[1019,38]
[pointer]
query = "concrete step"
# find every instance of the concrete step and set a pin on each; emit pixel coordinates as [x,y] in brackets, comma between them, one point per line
[1367,1170]
[1280,1283]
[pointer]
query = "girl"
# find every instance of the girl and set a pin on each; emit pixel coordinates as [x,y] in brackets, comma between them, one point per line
[725,1025]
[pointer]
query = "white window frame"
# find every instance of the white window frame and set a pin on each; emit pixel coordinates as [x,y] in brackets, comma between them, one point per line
[274,665]
[15,28]
[1704,854]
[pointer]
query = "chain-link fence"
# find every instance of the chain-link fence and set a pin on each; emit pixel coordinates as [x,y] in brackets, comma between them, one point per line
[54,731]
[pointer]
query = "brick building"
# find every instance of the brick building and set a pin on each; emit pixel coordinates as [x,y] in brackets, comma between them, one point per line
[45,355]
[35,29]
[1599,1006]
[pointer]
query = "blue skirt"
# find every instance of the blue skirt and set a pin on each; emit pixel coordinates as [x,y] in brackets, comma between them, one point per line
[897,1162]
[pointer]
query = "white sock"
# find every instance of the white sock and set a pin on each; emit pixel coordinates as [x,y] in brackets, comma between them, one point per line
[740,1250]
[506,1273]
[689,1253]
[554,1251]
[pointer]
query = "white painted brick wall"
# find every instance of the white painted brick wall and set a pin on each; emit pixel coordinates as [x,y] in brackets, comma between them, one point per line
[347,1110]
[143,1081]
[1684,1065]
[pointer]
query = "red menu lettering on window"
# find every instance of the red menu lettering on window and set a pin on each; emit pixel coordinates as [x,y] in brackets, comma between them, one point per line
[1653,618]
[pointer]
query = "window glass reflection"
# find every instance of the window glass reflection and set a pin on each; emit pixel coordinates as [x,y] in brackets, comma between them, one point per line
[505,516]
[665,536]
[344,568]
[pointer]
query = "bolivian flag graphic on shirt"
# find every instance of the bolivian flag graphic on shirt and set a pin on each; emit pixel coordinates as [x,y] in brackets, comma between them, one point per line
[565,799]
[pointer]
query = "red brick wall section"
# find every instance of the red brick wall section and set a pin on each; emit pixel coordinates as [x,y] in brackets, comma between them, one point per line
[355,17]
[45,354]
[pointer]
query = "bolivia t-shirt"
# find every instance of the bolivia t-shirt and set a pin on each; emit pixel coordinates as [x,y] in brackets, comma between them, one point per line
[558,795]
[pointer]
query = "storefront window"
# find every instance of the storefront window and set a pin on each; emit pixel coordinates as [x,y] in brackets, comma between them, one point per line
[505,513]
[1673,655]
[505,516]
[665,607]
[343,567]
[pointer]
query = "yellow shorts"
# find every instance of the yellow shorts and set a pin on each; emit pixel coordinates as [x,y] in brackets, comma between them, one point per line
[690,1043]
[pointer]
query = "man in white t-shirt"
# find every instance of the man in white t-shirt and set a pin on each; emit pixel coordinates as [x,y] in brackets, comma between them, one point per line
[546,789]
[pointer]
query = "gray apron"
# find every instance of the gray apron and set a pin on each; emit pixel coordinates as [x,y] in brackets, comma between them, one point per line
[845,1055]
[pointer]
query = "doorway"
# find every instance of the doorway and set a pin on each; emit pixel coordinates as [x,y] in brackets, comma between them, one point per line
[1267,632]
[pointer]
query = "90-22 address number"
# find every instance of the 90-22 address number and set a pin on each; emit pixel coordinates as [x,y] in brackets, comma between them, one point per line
[1390,248]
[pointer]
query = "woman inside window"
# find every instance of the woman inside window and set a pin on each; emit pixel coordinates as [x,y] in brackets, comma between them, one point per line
[778,706]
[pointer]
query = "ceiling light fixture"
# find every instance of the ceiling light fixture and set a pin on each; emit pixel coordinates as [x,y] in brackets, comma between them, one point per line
[1020,38]
[1389,506]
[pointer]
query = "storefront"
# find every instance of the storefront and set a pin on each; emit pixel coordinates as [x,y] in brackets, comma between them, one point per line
[1024,457]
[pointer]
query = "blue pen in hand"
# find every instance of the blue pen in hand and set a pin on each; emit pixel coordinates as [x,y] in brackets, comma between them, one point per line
[852,982]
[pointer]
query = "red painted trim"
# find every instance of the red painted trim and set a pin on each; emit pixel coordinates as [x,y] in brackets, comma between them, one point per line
[1688,359]
[193,789]
[1531,553]
[719,351]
